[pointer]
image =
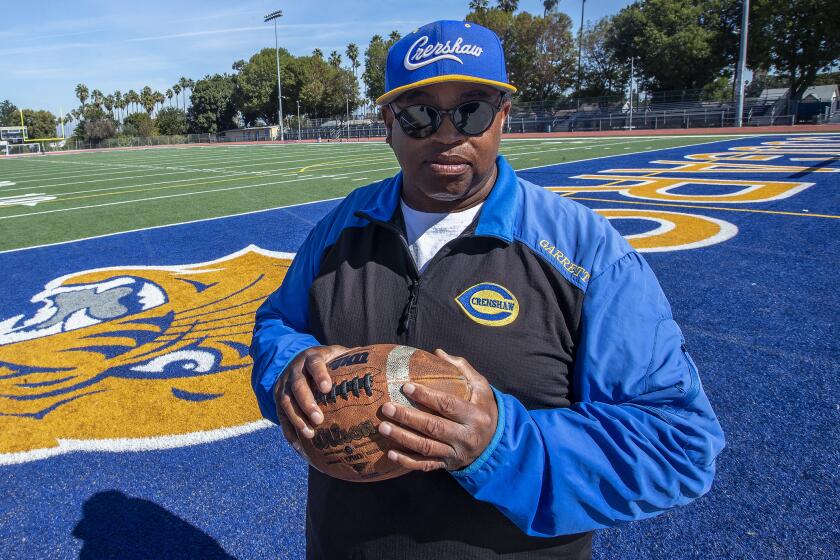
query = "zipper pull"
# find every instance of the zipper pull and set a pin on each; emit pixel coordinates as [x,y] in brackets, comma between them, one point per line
[409,307]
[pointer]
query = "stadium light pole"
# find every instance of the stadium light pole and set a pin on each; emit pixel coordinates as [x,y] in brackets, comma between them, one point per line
[742,63]
[298,104]
[348,116]
[274,16]
[580,43]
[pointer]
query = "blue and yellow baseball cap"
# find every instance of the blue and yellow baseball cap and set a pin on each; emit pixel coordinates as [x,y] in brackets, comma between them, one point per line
[445,51]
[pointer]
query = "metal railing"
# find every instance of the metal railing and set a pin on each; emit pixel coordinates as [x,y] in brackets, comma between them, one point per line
[668,110]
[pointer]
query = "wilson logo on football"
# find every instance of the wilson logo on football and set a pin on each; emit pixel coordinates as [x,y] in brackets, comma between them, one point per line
[489,304]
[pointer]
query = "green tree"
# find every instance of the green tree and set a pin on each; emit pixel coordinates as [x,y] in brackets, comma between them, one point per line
[353,56]
[719,89]
[97,97]
[603,72]
[39,124]
[539,50]
[827,79]
[256,86]
[93,124]
[176,89]
[677,44]
[508,6]
[320,87]
[796,38]
[82,93]
[9,115]
[139,124]
[375,57]
[212,106]
[185,83]
[335,59]
[147,99]
[171,121]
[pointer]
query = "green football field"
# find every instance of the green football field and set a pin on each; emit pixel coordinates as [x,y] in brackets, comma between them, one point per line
[61,197]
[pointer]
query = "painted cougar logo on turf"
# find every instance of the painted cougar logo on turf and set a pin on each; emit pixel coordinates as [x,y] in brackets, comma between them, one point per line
[134,357]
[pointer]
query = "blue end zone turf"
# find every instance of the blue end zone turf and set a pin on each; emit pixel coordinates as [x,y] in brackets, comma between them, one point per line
[160,318]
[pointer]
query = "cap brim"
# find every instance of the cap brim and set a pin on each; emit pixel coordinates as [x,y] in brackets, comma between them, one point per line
[389,96]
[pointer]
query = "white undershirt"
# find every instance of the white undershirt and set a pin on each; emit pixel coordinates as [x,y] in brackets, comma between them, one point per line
[427,232]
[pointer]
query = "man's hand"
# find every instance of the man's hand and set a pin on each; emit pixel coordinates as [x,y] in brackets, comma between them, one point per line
[451,437]
[296,406]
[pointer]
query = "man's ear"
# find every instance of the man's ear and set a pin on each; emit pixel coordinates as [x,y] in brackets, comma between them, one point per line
[504,112]
[388,117]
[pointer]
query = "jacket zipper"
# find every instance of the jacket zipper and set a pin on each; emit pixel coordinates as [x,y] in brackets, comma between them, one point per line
[409,311]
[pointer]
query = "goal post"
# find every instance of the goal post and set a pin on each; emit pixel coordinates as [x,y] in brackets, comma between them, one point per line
[30,148]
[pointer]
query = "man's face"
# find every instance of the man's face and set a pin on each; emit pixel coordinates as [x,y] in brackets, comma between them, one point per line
[445,169]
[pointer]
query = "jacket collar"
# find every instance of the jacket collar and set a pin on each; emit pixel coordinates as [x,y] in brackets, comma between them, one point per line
[495,220]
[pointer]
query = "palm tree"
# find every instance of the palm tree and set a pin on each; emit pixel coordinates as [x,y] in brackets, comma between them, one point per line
[147,99]
[549,6]
[176,89]
[509,6]
[82,93]
[97,97]
[108,101]
[159,98]
[169,95]
[353,54]
[190,84]
[118,102]
[130,98]
[335,59]
[185,83]
[318,53]
[394,36]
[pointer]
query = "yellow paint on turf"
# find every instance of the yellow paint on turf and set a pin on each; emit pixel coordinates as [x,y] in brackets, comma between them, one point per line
[695,206]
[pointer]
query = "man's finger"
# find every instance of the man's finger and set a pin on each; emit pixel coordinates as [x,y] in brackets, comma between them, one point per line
[414,463]
[445,404]
[295,416]
[316,366]
[302,394]
[421,445]
[427,424]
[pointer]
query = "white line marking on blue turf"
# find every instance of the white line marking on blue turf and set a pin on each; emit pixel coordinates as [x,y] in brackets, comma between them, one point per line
[169,225]
[132,444]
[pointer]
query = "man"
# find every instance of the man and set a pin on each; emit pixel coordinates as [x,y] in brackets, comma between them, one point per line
[587,409]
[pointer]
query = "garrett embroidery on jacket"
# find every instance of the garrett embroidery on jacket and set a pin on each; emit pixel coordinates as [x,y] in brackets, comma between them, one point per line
[564,261]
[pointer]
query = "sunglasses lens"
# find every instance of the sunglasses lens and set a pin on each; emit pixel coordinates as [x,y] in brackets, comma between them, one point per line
[474,117]
[419,121]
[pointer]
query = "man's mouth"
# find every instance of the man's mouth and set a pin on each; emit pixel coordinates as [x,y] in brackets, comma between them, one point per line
[448,165]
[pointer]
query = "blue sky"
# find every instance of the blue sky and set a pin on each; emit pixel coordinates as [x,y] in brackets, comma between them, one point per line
[49,47]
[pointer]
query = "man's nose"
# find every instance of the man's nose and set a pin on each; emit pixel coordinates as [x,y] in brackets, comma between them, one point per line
[447,133]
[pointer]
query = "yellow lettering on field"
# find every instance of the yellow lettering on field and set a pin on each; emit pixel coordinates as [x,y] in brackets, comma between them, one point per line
[730,156]
[716,167]
[660,188]
[673,231]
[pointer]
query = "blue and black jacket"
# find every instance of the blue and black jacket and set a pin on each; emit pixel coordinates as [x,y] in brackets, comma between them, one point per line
[602,416]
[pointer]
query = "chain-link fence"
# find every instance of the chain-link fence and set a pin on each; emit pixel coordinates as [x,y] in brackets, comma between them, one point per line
[660,110]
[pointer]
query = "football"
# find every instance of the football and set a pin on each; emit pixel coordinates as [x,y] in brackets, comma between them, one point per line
[348,445]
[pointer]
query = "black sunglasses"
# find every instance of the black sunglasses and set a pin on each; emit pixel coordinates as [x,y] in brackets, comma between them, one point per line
[472,118]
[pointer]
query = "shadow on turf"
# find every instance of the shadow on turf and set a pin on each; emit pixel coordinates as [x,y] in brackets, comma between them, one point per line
[114,525]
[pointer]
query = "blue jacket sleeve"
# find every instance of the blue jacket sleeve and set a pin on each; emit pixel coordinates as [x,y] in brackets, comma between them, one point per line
[282,325]
[642,439]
